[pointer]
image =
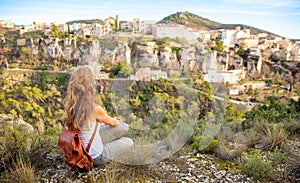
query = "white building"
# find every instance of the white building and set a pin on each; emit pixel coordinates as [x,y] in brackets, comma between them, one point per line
[251,42]
[157,74]
[205,35]
[138,26]
[110,20]
[228,37]
[126,26]
[75,27]
[173,31]
[87,31]
[231,76]
[26,29]
[102,75]
[39,25]
[234,92]
[63,28]
[214,75]
[147,74]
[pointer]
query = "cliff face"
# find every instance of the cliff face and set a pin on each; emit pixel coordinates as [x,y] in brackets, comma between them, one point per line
[108,52]
[148,54]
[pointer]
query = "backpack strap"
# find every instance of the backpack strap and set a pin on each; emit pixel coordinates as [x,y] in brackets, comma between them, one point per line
[92,138]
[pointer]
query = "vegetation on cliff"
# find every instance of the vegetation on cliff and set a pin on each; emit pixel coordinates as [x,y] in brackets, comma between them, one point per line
[90,21]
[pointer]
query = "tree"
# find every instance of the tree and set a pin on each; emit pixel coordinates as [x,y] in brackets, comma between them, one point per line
[56,31]
[207,88]
[277,78]
[275,111]
[113,26]
[232,114]
[219,45]
[119,68]
[126,70]
[290,81]
[243,53]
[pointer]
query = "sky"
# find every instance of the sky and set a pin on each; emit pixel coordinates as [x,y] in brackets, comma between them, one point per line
[281,17]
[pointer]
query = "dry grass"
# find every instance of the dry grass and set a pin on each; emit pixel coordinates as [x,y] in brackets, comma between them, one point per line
[248,138]
[225,153]
[117,172]
[238,151]
[20,172]
[264,136]
[270,137]
[231,153]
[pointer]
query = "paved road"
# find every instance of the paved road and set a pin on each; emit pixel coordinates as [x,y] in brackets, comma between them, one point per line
[237,101]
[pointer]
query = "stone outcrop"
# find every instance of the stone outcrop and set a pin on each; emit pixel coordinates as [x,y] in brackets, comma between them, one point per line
[109,52]
[9,121]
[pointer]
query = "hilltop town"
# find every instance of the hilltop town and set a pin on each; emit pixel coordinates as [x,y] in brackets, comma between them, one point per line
[247,62]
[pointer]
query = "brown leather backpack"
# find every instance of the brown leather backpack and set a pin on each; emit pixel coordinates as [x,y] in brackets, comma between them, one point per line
[76,156]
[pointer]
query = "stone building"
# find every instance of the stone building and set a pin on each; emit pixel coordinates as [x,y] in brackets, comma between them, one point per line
[147,74]
[174,31]
[216,74]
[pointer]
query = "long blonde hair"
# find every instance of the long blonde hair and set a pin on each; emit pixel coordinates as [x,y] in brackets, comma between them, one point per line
[80,100]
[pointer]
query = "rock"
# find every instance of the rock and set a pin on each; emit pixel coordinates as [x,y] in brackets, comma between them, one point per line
[15,123]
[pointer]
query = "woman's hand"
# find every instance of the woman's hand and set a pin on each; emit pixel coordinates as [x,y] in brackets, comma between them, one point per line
[105,118]
[119,120]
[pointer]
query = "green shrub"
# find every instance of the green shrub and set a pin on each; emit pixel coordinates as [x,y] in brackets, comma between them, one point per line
[255,167]
[196,141]
[21,144]
[205,144]
[292,127]
[13,145]
[212,146]
[277,157]
[274,112]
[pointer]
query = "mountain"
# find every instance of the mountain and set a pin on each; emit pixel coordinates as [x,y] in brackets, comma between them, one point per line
[91,21]
[191,20]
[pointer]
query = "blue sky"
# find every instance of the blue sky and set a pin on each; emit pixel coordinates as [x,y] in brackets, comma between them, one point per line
[281,17]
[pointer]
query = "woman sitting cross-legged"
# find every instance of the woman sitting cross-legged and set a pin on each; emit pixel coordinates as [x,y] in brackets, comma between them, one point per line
[82,113]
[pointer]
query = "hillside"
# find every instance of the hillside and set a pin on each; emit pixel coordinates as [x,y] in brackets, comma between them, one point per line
[191,20]
[90,21]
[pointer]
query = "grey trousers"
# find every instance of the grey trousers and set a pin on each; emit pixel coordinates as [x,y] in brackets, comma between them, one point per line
[114,145]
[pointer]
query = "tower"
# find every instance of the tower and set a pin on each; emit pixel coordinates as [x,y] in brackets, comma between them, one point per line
[117,23]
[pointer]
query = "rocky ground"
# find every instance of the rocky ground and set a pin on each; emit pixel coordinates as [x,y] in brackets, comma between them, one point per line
[182,167]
